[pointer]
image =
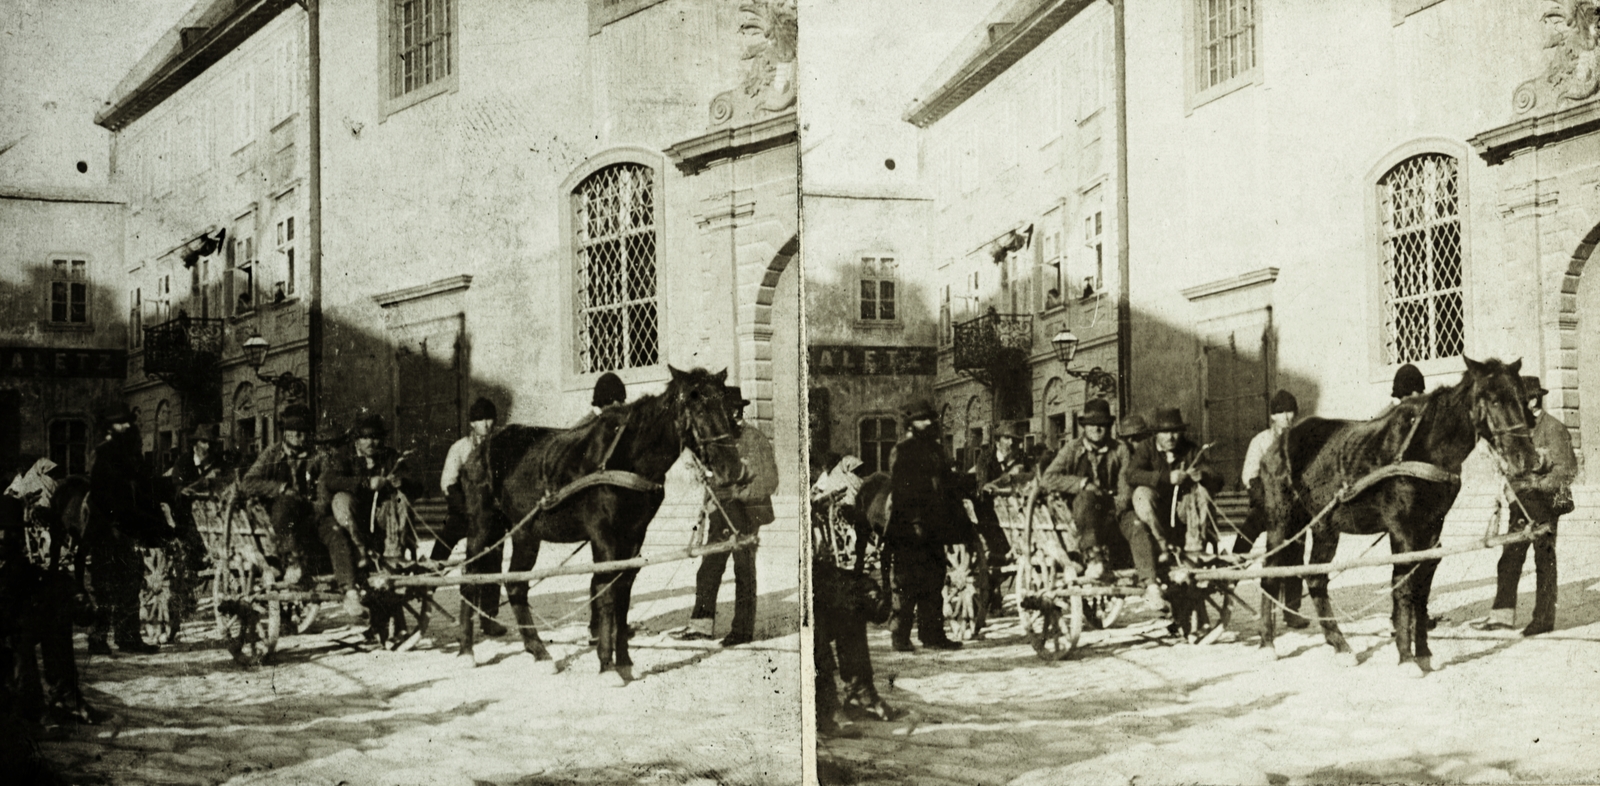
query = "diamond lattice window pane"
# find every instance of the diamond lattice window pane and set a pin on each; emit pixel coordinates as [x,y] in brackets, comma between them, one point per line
[618,325]
[1423,267]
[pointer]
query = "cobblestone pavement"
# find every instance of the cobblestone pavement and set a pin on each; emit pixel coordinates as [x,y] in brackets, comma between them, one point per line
[1130,706]
[324,712]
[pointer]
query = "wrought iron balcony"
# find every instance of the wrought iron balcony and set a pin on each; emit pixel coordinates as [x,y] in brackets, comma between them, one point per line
[183,352]
[989,347]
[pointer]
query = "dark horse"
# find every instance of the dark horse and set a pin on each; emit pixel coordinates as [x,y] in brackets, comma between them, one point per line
[1422,442]
[518,471]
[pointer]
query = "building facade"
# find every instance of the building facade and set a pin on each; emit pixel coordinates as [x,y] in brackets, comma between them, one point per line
[519,198]
[1322,194]
[210,152]
[62,356]
[1019,138]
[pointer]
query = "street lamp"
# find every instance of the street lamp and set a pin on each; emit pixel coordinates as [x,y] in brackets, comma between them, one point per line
[1066,346]
[255,353]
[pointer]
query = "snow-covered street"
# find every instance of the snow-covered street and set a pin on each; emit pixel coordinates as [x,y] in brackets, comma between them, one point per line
[324,713]
[1128,707]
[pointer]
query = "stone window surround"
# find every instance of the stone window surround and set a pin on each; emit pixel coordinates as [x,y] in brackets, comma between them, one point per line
[387,54]
[1195,96]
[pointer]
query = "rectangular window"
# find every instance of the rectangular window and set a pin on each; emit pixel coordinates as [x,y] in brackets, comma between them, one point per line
[617,320]
[1424,314]
[877,437]
[135,319]
[244,114]
[420,35]
[1093,235]
[163,302]
[1226,38]
[69,292]
[241,256]
[69,445]
[878,289]
[1054,275]
[285,238]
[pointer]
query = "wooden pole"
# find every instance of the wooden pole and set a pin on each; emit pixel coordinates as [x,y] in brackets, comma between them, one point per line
[1245,574]
[740,542]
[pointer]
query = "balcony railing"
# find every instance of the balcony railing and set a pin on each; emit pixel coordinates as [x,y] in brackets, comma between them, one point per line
[993,345]
[183,351]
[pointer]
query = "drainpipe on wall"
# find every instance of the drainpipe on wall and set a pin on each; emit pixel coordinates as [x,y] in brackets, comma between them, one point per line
[314,209]
[1124,305]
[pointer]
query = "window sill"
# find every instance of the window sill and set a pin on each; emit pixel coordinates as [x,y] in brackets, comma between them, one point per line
[391,106]
[878,324]
[65,327]
[1234,85]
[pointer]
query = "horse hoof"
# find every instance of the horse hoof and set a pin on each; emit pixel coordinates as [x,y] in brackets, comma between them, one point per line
[1346,659]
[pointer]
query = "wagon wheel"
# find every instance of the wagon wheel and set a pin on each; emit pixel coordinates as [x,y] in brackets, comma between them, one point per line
[249,628]
[160,609]
[1101,611]
[301,616]
[960,592]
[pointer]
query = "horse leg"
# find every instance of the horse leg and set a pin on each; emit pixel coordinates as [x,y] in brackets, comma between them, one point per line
[1421,588]
[600,600]
[1322,551]
[622,594]
[523,555]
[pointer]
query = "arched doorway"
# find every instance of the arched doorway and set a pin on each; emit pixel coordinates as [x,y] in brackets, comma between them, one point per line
[1565,401]
[769,357]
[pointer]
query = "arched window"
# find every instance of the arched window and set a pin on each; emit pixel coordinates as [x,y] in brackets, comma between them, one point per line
[615,245]
[1419,209]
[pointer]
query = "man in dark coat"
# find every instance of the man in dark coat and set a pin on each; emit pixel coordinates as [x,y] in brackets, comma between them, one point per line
[355,477]
[1001,466]
[1088,471]
[124,516]
[285,475]
[1165,467]
[925,517]
[1541,495]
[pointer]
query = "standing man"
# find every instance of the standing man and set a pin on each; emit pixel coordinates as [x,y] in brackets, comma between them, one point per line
[1162,469]
[1283,411]
[482,416]
[286,474]
[922,521]
[1545,496]
[747,502]
[1087,471]
[124,516]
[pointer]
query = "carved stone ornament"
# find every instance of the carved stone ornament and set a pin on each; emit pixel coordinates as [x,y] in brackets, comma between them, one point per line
[1572,59]
[769,35]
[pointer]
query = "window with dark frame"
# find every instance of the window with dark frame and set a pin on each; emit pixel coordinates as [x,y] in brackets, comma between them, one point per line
[878,289]
[286,252]
[877,440]
[1226,38]
[1424,313]
[420,32]
[69,445]
[618,323]
[69,292]
[135,318]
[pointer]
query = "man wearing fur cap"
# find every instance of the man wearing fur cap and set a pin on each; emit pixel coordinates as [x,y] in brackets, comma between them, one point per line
[126,516]
[482,416]
[1283,411]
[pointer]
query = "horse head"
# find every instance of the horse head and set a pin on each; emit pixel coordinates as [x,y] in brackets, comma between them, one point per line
[1499,413]
[705,421]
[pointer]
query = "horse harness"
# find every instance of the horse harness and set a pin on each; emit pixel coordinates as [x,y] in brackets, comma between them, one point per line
[601,477]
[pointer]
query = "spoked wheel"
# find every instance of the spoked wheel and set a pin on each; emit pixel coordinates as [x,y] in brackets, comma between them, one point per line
[159,612]
[250,628]
[1101,611]
[301,616]
[960,592]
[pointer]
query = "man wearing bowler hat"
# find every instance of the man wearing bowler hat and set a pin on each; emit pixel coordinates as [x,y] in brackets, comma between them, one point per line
[1162,469]
[1545,496]
[926,516]
[1087,471]
[1283,410]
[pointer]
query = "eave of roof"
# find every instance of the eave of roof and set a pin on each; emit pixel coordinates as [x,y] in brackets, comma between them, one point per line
[247,17]
[1023,37]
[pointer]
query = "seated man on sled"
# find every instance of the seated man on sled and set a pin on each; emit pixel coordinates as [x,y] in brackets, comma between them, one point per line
[359,483]
[1087,473]
[1168,468]
[285,475]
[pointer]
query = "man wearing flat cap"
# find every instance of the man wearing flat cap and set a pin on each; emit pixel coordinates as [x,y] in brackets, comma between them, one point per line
[1086,472]
[1167,466]
[481,417]
[1283,411]
[926,516]
[1544,496]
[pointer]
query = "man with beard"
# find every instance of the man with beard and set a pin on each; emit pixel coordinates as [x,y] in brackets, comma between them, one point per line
[926,516]
[124,516]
